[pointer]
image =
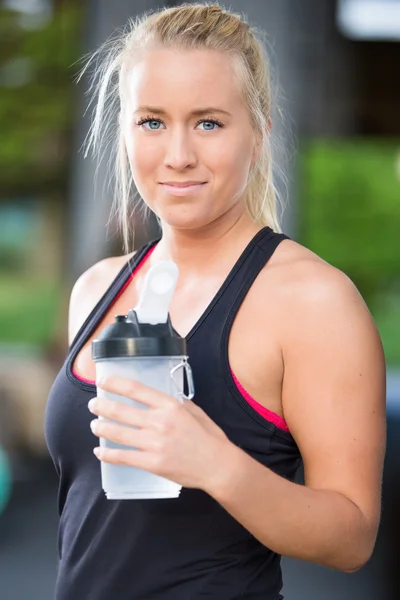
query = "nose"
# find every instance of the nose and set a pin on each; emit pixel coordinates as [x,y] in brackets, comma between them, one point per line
[180,152]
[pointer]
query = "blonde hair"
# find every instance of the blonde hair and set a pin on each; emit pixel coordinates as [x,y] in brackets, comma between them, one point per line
[187,26]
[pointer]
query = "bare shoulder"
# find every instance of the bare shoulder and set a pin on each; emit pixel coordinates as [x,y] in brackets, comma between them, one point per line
[329,340]
[317,311]
[89,288]
[305,283]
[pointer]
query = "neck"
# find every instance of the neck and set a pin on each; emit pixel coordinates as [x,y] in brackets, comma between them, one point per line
[195,249]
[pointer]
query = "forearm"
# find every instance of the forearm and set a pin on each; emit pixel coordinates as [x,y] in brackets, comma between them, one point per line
[293,520]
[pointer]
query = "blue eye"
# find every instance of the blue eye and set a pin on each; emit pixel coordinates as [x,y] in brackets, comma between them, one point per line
[209,121]
[153,120]
[143,121]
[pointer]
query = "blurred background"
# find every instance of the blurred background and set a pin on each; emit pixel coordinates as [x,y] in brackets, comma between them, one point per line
[338,65]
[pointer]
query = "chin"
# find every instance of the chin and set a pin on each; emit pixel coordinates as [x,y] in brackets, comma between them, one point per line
[184,224]
[185,219]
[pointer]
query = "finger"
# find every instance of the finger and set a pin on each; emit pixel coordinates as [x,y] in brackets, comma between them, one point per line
[131,458]
[138,438]
[135,390]
[119,412]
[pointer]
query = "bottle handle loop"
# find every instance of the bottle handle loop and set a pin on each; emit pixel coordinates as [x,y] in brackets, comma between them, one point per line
[184,365]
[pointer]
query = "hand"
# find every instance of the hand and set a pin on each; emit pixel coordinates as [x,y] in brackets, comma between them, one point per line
[174,440]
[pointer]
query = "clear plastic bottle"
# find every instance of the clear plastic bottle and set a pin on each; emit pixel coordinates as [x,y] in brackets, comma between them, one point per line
[145,347]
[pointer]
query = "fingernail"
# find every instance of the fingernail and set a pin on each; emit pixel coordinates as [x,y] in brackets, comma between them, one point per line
[91,404]
[96,451]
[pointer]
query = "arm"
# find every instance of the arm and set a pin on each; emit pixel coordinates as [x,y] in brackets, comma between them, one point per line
[333,398]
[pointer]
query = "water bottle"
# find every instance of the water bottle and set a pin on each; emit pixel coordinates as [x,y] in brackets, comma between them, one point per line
[143,346]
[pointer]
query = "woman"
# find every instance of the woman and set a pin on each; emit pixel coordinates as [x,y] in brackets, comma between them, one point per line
[287,361]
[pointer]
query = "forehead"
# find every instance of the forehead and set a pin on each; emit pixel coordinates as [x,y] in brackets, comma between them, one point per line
[177,77]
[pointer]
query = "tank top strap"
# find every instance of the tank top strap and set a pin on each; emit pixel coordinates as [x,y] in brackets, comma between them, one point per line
[255,257]
[228,299]
[252,260]
[110,295]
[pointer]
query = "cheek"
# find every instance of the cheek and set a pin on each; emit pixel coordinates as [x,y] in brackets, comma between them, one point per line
[230,164]
[142,155]
[144,165]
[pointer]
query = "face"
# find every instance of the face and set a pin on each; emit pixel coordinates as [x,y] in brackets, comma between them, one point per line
[169,142]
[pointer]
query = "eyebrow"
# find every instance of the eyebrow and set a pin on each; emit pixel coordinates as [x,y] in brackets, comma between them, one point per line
[197,112]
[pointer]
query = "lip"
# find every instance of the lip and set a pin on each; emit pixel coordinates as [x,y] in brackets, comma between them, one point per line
[183,189]
[182,183]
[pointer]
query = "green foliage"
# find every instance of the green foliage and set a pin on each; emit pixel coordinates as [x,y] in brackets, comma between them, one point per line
[387,319]
[36,114]
[350,216]
[28,322]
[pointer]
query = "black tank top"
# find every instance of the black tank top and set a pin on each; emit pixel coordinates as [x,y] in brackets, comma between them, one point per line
[183,548]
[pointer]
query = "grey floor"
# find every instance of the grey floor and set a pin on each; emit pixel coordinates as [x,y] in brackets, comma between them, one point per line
[28,529]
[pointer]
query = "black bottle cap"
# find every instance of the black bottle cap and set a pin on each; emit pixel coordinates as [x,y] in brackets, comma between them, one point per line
[126,337]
